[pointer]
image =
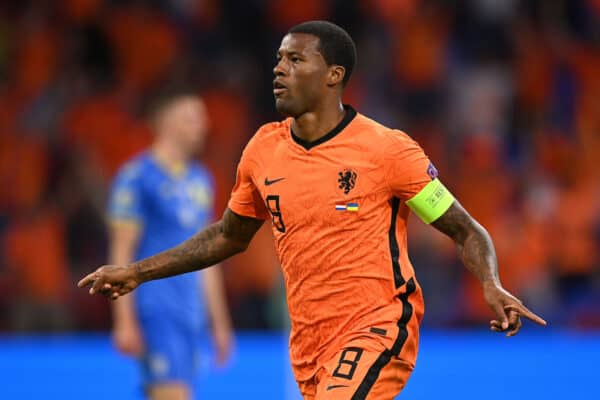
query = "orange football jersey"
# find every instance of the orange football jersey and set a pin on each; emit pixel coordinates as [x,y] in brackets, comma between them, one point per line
[338,213]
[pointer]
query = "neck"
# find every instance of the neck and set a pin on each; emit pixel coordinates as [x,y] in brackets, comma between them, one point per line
[313,125]
[169,154]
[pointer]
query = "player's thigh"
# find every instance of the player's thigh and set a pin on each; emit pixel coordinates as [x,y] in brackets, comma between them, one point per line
[390,381]
[355,373]
[171,353]
[169,391]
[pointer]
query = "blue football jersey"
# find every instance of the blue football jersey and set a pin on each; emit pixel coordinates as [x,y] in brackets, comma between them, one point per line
[169,209]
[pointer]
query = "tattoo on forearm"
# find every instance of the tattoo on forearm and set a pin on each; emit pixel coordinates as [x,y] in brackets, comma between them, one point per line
[475,246]
[221,240]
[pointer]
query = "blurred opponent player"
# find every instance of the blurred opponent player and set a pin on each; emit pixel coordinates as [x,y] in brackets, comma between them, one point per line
[159,199]
[338,188]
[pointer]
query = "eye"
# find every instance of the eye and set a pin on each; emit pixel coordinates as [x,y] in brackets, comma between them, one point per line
[295,59]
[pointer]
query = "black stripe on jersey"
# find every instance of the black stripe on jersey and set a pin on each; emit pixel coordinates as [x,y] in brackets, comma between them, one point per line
[348,117]
[378,331]
[394,248]
[385,357]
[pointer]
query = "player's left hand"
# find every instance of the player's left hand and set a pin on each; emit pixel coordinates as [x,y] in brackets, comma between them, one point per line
[508,309]
[223,341]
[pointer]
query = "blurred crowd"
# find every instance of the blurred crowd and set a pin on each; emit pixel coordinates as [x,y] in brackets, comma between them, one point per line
[503,96]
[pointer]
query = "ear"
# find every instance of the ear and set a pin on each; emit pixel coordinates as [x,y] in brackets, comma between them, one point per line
[335,75]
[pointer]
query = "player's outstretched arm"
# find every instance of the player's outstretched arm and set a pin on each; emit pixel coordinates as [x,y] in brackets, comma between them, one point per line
[229,236]
[476,250]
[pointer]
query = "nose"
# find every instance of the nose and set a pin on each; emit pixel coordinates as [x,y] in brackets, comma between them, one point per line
[280,68]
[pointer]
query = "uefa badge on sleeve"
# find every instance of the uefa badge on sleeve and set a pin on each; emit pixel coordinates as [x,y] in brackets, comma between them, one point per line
[432,171]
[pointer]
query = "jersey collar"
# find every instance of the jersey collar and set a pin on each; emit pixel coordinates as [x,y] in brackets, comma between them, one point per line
[174,169]
[348,117]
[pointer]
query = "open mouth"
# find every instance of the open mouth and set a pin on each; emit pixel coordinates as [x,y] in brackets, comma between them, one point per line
[278,88]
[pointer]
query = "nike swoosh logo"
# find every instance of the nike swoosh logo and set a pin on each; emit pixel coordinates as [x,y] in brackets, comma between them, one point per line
[335,387]
[268,182]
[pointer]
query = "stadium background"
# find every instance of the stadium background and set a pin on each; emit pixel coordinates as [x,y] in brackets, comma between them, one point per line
[503,95]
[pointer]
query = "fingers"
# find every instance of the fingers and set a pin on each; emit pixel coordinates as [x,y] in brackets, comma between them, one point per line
[513,317]
[525,312]
[98,286]
[513,328]
[514,312]
[106,289]
[87,280]
[514,323]
[496,326]
[116,292]
[98,281]
[501,314]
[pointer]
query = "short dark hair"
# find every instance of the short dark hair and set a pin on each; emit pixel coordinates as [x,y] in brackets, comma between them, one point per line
[164,97]
[335,44]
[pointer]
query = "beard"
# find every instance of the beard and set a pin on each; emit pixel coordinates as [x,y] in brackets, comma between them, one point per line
[288,107]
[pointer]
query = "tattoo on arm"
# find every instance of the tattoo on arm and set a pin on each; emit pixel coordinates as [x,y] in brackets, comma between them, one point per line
[475,246]
[215,243]
[240,229]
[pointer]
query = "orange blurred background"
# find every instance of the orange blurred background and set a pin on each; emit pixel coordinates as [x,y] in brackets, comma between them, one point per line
[503,96]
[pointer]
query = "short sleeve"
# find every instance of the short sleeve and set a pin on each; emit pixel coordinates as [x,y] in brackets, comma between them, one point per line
[408,170]
[245,197]
[125,201]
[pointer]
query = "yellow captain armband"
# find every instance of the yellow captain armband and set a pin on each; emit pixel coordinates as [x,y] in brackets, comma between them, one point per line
[431,202]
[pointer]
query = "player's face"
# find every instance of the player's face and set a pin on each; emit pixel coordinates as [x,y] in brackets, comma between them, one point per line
[186,123]
[300,74]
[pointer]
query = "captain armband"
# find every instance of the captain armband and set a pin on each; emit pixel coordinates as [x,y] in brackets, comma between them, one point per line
[431,202]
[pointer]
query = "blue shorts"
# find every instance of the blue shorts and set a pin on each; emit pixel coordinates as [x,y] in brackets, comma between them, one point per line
[171,351]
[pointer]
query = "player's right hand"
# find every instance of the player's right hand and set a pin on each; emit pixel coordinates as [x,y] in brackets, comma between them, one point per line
[111,281]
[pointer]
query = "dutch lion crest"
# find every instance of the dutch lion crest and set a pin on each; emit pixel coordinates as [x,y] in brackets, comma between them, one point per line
[347,180]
